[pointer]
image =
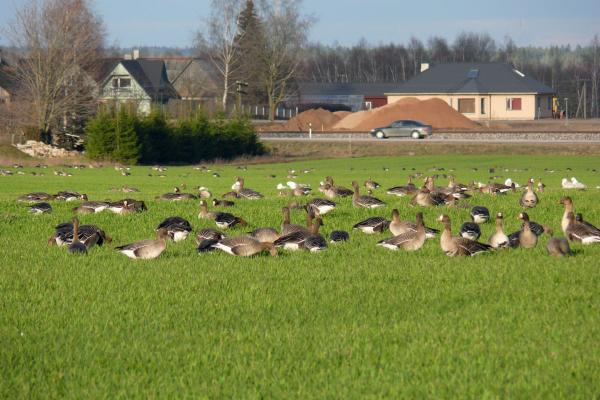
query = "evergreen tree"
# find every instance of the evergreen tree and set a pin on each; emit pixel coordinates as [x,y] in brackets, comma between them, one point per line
[127,149]
[100,139]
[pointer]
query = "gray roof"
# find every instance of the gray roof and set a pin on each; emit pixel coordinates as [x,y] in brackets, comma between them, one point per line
[345,89]
[471,78]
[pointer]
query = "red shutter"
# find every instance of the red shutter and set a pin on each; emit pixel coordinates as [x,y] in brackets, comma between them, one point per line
[516,103]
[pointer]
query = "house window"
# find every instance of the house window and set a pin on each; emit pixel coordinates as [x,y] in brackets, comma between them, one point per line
[482,105]
[466,106]
[513,103]
[121,83]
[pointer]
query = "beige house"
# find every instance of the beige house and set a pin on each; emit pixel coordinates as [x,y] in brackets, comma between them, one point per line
[481,91]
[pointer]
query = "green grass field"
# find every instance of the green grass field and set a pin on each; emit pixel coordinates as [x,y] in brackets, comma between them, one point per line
[355,321]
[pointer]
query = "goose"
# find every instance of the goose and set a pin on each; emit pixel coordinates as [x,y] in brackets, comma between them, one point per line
[287,227]
[244,246]
[540,186]
[499,239]
[470,230]
[364,201]
[146,249]
[320,206]
[77,246]
[91,207]
[410,240]
[426,198]
[125,206]
[315,242]
[63,235]
[204,193]
[405,190]
[508,184]
[572,184]
[480,214]
[176,195]
[40,208]
[209,234]
[497,188]
[372,225]
[35,196]
[456,245]
[450,190]
[265,235]
[580,232]
[370,184]
[244,192]
[537,229]
[398,227]
[177,228]
[233,194]
[129,189]
[527,238]
[222,219]
[70,196]
[222,203]
[296,240]
[338,236]
[332,191]
[579,218]
[568,203]
[558,247]
[529,198]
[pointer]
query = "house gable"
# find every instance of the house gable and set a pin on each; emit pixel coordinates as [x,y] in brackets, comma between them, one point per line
[114,87]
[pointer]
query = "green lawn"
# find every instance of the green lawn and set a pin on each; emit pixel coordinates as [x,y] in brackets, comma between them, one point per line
[355,321]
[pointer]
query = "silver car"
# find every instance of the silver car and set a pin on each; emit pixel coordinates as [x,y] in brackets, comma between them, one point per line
[407,128]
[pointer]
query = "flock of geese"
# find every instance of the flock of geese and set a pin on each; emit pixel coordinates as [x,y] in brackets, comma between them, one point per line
[408,235]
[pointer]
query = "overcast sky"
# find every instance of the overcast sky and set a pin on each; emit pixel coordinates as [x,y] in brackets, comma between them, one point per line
[528,22]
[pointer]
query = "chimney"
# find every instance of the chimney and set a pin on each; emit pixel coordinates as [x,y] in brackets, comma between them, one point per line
[127,56]
[424,67]
[136,54]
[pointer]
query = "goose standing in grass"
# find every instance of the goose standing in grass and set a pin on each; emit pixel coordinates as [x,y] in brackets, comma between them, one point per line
[77,246]
[364,201]
[558,247]
[540,186]
[527,238]
[287,227]
[372,225]
[222,219]
[470,230]
[580,232]
[410,240]
[35,196]
[177,228]
[146,249]
[320,206]
[265,235]
[480,214]
[338,236]
[398,227]
[401,191]
[568,203]
[244,246]
[331,191]
[456,245]
[499,238]
[64,233]
[245,193]
[529,199]
[40,208]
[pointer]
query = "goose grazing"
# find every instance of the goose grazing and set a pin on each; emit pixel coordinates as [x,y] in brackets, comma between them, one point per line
[146,249]
[245,192]
[470,230]
[244,246]
[70,196]
[36,196]
[205,239]
[287,227]
[456,245]
[480,214]
[222,219]
[398,227]
[410,240]
[222,203]
[265,235]
[177,228]
[499,238]
[91,207]
[373,225]
[364,201]
[296,240]
[370,184]
[77,246]
[558,247]
[529,198]
[88,234]
[527,238]
[320,206]
[338,236]
[315,242]
[580,232]
[40,208]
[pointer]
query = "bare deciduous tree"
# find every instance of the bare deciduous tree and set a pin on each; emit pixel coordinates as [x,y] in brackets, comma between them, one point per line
[62,43]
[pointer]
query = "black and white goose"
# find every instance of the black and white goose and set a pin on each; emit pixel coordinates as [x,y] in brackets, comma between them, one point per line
[90,234]
[456,245]
[222,203]
[364,201]
[470,230]
[78,247]
[372,225]
[40,208]
[222,219]
[338,236]
[146,249]
[177,228]
[245,193]
[480,214]
[580,232]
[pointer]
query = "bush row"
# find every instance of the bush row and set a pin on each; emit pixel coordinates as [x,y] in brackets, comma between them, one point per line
[126,137]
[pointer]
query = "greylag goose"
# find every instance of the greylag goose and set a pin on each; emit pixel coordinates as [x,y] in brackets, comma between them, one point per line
[364,201]
[296,240]
[40,208]
[529,198]
[91,207]
[540,186]
[64,233]
[244,246]
[222,203]
[499,238]
[232,194]
[370,184]
[558,247]
[480,214]
[470,230]
[265,235]
[405,190]
[176,195]
[398,227]
[70,196]
[338,236]
[320,206]
[146,249]
[222,219]
[537,229]
[315,242]
[206,238]
[245,192]
[331,191]
[177,228]
[527,238]
[568,203]
[77,246]
[426,198]
[373,225]
[456,245]
[287,227]
[410,240]
[204,193]
[580,232]
[36,196]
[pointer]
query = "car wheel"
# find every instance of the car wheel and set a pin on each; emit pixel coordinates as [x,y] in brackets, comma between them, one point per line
[415,135]
[380,135]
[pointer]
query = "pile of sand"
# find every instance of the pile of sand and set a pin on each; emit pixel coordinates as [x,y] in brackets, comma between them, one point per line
[434,112]
[320,120]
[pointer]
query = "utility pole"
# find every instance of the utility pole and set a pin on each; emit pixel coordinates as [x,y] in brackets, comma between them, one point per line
[240,91]
[566,109]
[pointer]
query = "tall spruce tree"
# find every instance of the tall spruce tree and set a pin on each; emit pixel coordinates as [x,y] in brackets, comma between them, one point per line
[127,149]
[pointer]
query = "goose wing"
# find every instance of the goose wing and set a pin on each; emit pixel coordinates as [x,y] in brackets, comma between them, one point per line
[378,224]
[398,240]
[470,247]
[250,194]
[582,233]
[298,238]
[369,202]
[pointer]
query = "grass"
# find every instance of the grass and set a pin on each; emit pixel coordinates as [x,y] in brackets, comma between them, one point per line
[356,321]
